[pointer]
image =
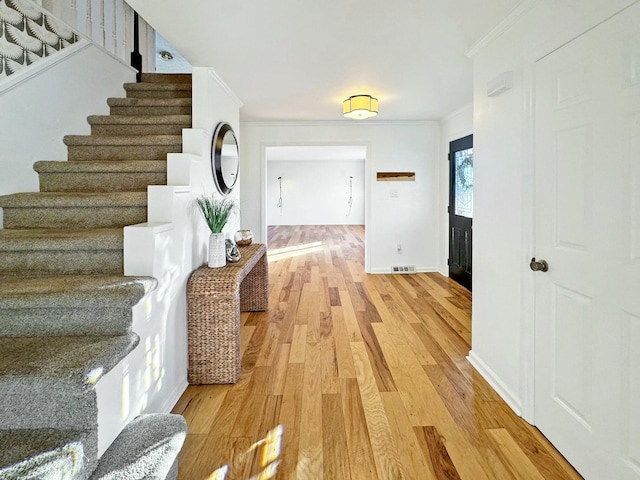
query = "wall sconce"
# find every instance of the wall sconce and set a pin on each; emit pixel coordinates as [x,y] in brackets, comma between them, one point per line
[279,205]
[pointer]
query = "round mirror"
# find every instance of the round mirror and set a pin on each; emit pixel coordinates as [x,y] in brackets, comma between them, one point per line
[224,158]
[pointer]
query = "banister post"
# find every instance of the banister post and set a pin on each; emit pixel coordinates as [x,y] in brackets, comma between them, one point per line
[136,56]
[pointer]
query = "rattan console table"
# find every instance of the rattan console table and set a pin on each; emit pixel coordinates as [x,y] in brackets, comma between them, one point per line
[215,297]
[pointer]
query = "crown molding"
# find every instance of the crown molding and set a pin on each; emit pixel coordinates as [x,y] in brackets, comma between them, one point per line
[457,112]
[523,7]
[213,74]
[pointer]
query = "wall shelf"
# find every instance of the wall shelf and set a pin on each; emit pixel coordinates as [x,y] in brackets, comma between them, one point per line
[396,176]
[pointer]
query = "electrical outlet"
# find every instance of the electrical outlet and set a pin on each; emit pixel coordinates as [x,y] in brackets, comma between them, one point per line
[393,193]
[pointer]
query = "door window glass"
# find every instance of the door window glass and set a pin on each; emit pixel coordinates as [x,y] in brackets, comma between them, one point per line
[464,183]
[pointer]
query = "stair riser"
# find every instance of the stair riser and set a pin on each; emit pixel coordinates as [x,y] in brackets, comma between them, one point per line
[32,322]
[138,129]
[159,93]
[72,262]
[167,78]
[74,217]
[29,402]
[100,182]
[121,152]
[156,110]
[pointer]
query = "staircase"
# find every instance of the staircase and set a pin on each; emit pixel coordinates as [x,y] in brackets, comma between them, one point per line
[65,304]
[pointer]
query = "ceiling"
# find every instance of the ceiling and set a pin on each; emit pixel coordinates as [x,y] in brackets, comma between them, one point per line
[296,60]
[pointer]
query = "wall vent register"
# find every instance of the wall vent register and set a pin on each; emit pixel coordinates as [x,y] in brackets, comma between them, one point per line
[403,269]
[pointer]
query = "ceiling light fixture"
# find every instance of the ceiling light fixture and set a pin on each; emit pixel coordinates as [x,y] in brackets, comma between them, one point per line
[166,55]
[360,107]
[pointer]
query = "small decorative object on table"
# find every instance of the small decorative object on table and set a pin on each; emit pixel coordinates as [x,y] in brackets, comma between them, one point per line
[216,212]
[244,237]
[233,254]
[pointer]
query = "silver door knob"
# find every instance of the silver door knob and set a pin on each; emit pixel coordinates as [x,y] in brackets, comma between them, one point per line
[540,266]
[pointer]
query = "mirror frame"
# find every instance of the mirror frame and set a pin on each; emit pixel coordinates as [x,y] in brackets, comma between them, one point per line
[222,130]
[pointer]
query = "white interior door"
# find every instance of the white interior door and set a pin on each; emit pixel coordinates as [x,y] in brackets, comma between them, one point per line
[587,354]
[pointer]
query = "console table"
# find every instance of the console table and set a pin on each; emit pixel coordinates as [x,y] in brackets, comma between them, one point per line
[215,297]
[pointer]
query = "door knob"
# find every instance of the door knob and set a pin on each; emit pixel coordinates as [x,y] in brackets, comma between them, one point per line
[541,265]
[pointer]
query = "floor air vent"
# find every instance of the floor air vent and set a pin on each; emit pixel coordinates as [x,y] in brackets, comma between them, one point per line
[403,269]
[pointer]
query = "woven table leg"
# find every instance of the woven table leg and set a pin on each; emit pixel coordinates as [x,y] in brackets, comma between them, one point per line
[214,337]
[254,289]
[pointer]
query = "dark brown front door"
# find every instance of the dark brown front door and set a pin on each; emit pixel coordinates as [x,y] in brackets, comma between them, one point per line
[460,209]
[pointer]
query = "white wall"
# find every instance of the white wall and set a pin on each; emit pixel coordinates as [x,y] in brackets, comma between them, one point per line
[411,218]
[315,192]
[456,125]
[170,246]
[49,100]
[503,187]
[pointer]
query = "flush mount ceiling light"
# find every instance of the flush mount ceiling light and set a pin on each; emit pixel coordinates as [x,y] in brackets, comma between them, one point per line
[360,107]
[166,55]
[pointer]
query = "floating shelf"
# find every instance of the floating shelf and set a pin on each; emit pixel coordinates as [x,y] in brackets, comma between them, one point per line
[396,176]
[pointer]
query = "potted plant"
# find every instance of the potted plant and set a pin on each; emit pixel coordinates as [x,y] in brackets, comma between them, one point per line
[216,213]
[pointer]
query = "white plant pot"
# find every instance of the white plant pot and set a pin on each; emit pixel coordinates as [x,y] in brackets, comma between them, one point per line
[217,252]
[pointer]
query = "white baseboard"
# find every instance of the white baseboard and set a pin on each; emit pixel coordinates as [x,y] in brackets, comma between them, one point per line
[170,400]
[508,395]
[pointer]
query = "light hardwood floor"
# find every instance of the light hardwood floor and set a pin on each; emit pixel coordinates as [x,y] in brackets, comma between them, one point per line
[365,374]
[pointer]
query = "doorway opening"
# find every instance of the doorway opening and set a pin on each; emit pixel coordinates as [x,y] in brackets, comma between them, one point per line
[314,185]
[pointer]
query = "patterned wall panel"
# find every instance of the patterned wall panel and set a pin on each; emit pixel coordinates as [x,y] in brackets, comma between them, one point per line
[27,35]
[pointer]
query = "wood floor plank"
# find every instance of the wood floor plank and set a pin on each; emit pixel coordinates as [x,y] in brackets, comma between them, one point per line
[201,410]
[513,456]
[335,459]
[384,449]
[440,460]
[310,444]
[193,444]
[361,462]
[278,374]
[415,463]
[291,417]
[349,317]
[344,358]
[298,345]
[245,422]
[360,377]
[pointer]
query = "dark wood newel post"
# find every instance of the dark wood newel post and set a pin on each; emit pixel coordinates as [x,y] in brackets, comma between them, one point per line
[136,56]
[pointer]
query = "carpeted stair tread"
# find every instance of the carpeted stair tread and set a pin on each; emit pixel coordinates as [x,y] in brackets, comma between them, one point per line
[167,78]
[81,200]
[80,360]
[139,120]
[157,86]
[149,102]
[70,305]
[74,291]
[100,166]
[43,251]
[121,140]
[63,239]
[100,175]
[41,453]
[158,90]
[74,209]
[146,448]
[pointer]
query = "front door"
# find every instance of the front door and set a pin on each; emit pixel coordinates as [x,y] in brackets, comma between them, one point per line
[587,314]
[460,209]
